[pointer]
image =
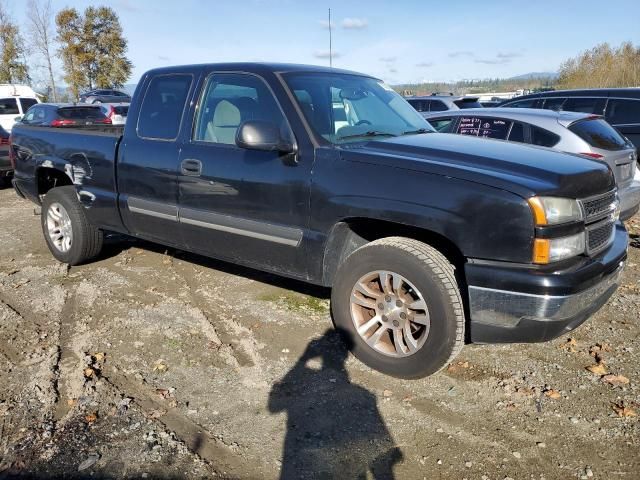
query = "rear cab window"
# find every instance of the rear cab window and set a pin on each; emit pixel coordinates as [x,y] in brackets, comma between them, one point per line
[599,134]
[163,106]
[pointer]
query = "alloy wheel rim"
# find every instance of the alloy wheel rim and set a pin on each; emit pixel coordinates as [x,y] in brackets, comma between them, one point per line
[389,313]
[59,227]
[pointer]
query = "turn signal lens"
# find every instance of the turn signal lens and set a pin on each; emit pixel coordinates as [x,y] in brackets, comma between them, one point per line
[541,250]
[552,250]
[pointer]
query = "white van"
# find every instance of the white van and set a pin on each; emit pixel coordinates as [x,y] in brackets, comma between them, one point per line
[15,100]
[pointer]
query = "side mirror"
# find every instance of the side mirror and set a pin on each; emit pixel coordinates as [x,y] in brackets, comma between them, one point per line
[261,135]
[18,118]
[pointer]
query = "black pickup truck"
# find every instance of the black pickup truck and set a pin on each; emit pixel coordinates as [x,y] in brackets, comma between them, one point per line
[428,240]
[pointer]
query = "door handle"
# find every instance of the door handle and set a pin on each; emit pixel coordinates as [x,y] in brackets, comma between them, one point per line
[191,167]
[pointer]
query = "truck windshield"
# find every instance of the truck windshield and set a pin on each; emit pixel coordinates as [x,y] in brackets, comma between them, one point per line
[344,108]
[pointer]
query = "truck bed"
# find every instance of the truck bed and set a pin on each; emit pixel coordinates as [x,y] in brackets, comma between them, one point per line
[87,156]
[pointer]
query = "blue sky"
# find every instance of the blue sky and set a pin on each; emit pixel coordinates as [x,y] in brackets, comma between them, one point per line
[400,41]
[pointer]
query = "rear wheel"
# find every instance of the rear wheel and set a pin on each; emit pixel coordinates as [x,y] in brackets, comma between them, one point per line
[398,302]
[67,231]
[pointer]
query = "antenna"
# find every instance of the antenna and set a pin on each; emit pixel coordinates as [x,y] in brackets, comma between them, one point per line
[330,47]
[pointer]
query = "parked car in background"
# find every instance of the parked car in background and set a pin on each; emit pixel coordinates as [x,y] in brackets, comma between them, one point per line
[6,169]
[15,100]
[580,133]
[104,96]
[64,115]
[620,106]
[442,103]
[116,112]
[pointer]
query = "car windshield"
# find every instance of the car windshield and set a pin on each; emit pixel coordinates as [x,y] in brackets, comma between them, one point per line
[344,108]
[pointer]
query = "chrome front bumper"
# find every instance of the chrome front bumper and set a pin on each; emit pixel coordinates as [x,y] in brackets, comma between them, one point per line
[499,316]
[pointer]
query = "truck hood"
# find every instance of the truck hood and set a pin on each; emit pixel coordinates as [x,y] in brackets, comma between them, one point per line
[521,169]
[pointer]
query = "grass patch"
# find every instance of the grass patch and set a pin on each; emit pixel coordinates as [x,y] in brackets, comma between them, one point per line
[299,303]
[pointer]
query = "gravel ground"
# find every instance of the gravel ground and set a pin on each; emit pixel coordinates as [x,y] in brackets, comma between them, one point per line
[155,363]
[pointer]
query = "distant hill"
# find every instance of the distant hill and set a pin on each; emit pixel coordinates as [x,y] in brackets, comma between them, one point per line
[532,75]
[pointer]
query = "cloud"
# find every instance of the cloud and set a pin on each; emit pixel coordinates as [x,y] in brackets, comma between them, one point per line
[388,59]
[162,58]
[393,70]
[324,54]
[508,55]
[355,23]
[325,24]
[424,64]
[461,53]
[502,58]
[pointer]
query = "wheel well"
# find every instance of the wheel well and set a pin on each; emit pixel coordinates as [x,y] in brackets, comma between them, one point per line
[351,234]
[49,178]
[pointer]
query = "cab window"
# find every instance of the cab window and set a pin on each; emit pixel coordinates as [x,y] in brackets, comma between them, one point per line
[163,105]
[230,99]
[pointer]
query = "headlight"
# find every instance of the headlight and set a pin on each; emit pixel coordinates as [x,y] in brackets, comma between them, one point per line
[547,250]
[555,210]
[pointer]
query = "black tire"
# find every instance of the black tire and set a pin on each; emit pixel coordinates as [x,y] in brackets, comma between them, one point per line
[86,241]
[433,276]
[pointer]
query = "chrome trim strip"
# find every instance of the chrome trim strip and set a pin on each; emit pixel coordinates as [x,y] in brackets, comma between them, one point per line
[153,209]
[241,226]
[506,308]
[214,221]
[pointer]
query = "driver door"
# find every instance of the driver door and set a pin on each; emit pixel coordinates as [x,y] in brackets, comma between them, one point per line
[248,206]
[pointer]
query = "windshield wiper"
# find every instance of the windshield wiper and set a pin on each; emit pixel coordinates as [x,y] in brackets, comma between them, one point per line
[414,132]
[370,133]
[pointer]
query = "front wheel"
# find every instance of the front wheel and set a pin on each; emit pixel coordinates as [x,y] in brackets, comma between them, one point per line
[69,235]
[398,301]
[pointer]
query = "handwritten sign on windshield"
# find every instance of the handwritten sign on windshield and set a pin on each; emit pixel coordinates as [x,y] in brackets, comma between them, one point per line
[484,127]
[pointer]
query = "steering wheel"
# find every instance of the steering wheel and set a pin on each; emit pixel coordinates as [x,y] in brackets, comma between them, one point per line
[363,122]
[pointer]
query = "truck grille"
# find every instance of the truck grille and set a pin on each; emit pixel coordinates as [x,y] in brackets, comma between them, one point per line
[599,207]
[598,212]
[599,236]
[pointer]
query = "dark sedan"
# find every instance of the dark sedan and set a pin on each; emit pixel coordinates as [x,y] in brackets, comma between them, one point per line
[104,96]
[64,115]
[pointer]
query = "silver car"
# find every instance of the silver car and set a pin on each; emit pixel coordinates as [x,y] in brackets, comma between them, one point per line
[579,133]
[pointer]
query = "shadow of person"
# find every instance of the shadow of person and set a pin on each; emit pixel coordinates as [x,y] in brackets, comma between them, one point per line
[334,428]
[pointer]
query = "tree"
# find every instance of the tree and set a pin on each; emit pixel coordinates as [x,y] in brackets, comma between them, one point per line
[42,36]
[13,66]
[602,66]
[92,48]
